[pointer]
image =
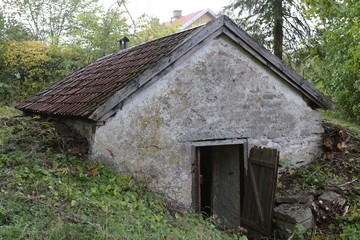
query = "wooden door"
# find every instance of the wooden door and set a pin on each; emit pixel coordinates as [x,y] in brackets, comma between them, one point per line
[260,183]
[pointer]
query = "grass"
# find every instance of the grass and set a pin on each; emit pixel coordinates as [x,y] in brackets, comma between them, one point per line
[7,112]
[332,117]
[47,193]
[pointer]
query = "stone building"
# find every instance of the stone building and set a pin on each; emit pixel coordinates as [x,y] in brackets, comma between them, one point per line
[182,113]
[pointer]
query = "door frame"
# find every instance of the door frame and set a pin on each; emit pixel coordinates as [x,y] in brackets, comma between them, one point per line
[195,148]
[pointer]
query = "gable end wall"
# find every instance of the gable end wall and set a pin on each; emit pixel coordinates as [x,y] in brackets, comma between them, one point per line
[219,92]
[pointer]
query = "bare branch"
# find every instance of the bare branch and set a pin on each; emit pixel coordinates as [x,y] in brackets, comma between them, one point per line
[122,2]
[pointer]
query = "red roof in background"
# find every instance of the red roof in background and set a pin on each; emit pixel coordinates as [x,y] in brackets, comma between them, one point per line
[186,18]
[82,92]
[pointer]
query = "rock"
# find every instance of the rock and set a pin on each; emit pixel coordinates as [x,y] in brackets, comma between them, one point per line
[303,199]
[284,230]
[292,213]
[292,217]
[332,197]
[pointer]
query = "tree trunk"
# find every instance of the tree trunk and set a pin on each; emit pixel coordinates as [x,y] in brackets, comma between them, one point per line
[278,28]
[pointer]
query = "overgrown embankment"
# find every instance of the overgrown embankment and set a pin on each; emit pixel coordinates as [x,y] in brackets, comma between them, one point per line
[49,191]
[337,172]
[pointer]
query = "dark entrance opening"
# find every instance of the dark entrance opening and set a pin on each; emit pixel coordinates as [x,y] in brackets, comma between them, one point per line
[220,183]
[235,188]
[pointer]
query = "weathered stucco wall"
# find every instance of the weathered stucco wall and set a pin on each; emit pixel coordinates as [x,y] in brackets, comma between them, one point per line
[219,92]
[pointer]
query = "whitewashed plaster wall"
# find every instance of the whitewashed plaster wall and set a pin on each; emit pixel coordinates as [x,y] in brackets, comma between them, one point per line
[219,92]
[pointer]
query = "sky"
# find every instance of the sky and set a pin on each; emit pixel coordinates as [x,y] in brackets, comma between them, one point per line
[163,9]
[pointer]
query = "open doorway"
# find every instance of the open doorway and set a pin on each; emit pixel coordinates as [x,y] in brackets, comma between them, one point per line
[236,188]
[220,169]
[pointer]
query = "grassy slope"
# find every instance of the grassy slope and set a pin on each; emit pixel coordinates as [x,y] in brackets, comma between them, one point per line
[46,193]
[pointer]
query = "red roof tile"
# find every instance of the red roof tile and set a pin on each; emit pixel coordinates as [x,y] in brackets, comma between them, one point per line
[80,93]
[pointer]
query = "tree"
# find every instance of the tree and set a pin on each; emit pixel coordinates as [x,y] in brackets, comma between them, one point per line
[278,24]
[98,32]
[48,20]
[334,60]
[10,29]
[150,28]
[31,65]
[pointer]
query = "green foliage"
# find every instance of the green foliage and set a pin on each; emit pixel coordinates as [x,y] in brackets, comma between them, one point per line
[30,66]
[332,117]
[149,28]
[350,222]
[48,20]
[334,60]
[98,32]
[7,112]
[48,194]
[11,28]
[315,176]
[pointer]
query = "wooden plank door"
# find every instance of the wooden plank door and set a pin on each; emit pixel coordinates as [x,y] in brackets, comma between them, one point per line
[260,184]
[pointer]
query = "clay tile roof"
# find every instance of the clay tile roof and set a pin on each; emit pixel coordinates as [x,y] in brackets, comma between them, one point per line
[80,93]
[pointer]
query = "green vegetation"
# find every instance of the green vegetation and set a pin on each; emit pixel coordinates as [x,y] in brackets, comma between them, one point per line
[7,112]
[277,24]
[42,41]
[332,117]
[334,56]
[47,193]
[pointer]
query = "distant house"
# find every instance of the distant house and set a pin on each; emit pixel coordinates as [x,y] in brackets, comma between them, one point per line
[200,115]
[194,19]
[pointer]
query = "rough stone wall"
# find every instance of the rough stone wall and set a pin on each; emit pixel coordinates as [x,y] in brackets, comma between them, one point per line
[219,92]
[85,128]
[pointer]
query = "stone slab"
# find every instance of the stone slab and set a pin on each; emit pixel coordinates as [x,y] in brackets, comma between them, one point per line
[332,197]
[292,213]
